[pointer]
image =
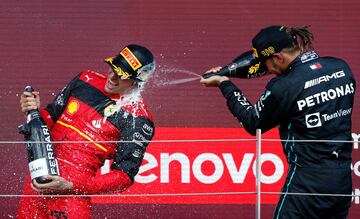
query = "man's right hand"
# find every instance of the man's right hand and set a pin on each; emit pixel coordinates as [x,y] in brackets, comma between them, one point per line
[214,80]
[29,101]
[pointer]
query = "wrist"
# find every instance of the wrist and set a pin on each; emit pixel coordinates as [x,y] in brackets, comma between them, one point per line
[222,79]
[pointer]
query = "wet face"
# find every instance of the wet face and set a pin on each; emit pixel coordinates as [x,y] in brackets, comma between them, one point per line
[115,85]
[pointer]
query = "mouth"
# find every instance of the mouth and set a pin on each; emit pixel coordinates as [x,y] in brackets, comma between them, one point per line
[111,84]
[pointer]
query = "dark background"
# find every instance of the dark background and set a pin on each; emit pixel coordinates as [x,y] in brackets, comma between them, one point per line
[46,43]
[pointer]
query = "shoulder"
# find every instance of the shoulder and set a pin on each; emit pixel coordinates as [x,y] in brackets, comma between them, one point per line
[337,62]
[138,109]
[280,84]
[89,75]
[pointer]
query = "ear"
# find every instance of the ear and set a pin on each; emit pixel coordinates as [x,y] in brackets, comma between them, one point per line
[279,58]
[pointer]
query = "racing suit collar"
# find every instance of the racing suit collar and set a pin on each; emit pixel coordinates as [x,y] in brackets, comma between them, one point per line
[304,57]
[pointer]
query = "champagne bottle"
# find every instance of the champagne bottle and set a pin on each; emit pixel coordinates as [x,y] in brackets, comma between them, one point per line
[244,66]
[41,156]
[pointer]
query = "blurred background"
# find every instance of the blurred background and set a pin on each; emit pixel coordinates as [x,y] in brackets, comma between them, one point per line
[47,43]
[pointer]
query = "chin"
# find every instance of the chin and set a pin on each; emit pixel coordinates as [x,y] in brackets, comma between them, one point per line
[108,90]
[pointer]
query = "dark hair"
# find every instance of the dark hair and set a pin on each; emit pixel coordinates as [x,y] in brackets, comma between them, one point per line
[306,37]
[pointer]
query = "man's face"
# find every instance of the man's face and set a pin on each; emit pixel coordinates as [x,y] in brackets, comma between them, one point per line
[273,67]
[115,85]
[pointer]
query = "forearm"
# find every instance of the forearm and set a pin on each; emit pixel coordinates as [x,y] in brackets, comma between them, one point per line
[115,181]
[239,106]
[47,118]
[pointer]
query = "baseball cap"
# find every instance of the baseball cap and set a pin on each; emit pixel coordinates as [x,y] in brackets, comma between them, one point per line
[271,40]
[133,62]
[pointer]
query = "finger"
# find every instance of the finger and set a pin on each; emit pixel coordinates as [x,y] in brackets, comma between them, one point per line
[34,188]
[215,69]
[26,107]
[35,93]
[42,186]
[55,182]
[27,94]
[36,185]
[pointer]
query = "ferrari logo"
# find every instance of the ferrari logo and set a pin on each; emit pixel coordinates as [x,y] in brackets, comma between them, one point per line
[109,110]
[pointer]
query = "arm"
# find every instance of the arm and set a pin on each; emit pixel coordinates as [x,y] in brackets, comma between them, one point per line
[264,115]
[116,180]
[137,132]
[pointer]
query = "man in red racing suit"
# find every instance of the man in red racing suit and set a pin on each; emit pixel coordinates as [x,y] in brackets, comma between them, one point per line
[90,111]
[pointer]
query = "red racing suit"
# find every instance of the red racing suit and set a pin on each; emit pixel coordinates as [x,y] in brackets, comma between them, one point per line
[82,117]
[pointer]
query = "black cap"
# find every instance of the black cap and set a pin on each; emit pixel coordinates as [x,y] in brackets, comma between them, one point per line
[272,40]
[131,61]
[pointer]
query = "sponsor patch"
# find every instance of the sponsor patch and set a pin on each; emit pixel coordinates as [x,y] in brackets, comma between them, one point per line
[325,78]
[147,129]
[313,120]
[109,110]
[73,107]
[96,123]
[315,66]
[308,56]
[337,114]
[326,96]
[131,58]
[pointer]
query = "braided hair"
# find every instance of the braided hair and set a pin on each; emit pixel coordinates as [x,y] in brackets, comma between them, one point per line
[306,37]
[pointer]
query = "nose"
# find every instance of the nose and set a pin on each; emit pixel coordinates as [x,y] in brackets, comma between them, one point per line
[113,75]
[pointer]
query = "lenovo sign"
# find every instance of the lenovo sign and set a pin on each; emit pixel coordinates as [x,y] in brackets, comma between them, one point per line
[225,163]
[219,161]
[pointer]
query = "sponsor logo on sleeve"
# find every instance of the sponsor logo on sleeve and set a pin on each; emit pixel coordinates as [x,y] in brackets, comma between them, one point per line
[60,100]
[242,100]
[147,129]
[260,104]
[139,139]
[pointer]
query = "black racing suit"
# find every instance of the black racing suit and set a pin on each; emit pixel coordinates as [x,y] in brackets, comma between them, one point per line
[313,100]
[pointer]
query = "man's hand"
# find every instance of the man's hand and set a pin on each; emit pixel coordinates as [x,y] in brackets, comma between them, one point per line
[29,101]
[215,80]
[58,185]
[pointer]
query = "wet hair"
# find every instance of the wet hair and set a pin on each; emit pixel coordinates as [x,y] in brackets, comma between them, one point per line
[304,39]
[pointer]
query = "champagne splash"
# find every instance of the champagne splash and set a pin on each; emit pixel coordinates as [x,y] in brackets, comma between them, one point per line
[166,76]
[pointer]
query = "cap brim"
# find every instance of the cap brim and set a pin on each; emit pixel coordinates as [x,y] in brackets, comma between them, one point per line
[117,69]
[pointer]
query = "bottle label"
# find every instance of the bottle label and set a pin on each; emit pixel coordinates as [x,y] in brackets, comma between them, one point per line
[38,168]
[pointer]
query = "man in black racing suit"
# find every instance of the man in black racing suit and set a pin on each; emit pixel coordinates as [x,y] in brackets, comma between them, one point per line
[311,98]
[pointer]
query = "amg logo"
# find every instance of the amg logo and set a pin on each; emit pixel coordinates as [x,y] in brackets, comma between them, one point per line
[318,80]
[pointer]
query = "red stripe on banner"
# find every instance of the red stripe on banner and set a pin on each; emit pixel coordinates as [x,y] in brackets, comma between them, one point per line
[205,172]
